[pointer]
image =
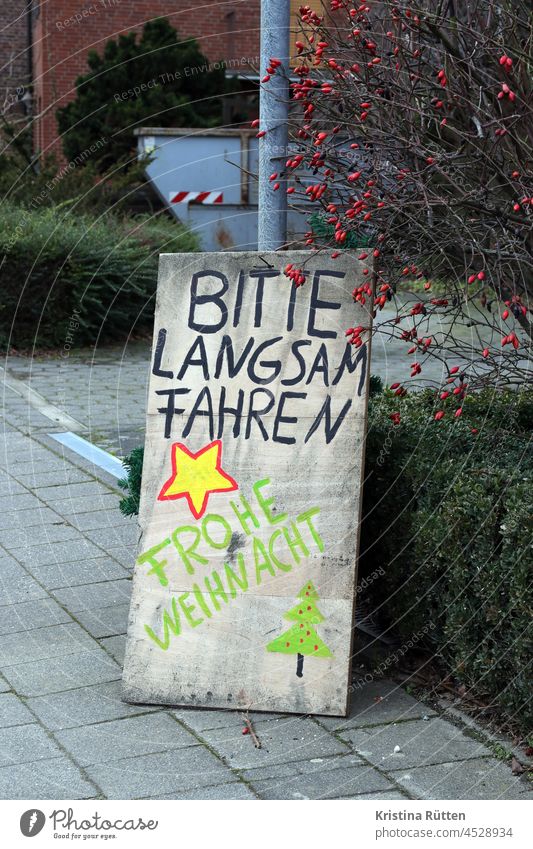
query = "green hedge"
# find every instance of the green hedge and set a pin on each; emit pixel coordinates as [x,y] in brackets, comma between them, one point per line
[447,515]
[78,279]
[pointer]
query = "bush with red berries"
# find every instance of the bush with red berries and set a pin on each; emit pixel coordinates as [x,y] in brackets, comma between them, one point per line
[412,130]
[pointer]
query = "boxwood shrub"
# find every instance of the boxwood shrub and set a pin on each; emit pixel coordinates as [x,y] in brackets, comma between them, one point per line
[448,514]
[90,278]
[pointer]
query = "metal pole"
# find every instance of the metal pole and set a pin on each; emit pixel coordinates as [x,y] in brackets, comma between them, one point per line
[273,115]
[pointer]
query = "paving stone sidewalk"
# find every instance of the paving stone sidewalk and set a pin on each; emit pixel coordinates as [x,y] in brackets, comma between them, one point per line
[67,556]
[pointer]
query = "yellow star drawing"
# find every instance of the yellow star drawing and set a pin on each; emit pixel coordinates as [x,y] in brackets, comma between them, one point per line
[196,476]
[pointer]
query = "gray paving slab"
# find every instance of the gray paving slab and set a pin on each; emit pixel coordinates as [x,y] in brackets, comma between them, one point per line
[9,487]
[5,686]
[32,614]
[58,552]
[13,711]
[43,644]
[24,501]
[16,443]
[37,535]
[6,480]
[58,575]
[19,443]
[86,503]
[9,564]
[26,744]
[116,646]
[137,735]
[30,466]
[106,622]
[317,778]
[123,555]
[282,741]
[66,474]
[377,702]
[496,738]
[234,792]
[90,596]
[180,770]
[47,779]
[15,439]
[435,741]
[205,720]
[61,491]
[62,673]
[32,452]
[484,778]
[109,518]
[386,796]
[32,421]
[122,535]
[85,706]
[16,585]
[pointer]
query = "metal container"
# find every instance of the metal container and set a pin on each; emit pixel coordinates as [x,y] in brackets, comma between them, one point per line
[208,180]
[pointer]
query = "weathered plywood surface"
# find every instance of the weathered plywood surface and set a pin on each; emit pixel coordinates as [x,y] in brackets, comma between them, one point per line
[244,586]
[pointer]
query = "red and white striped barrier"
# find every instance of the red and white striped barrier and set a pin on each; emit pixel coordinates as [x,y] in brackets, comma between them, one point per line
[196,197]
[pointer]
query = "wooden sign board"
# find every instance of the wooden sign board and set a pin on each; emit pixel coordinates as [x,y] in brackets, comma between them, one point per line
[243,593]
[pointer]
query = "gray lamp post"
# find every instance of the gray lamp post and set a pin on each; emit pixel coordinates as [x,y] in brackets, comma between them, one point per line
[273,113]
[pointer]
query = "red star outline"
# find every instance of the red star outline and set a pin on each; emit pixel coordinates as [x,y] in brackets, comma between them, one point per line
[194,456]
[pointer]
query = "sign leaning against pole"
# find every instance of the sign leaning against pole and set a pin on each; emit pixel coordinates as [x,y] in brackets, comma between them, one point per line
[244,585]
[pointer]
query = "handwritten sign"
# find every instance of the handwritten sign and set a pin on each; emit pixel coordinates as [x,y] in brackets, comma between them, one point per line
[243,593]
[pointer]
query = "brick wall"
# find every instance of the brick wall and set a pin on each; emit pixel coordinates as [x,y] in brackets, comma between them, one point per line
[226,30]
[15,55]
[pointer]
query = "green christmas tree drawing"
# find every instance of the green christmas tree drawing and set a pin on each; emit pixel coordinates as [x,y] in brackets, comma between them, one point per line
[302,639]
